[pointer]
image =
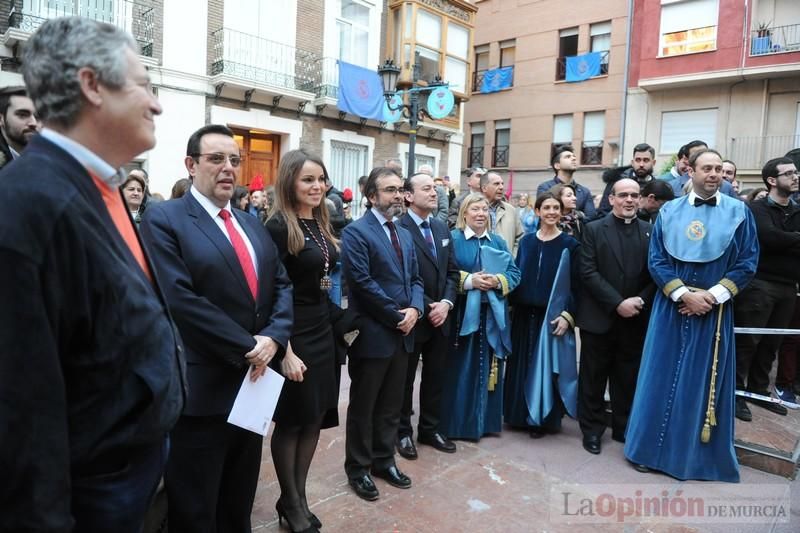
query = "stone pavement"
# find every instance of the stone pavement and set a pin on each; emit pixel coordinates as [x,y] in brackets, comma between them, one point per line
[503,484]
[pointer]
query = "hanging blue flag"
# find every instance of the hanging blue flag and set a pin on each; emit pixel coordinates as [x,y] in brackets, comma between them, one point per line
[360,91]
[581,68]
[497,79]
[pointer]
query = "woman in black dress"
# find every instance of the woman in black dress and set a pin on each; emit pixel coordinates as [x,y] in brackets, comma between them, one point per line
[302,233]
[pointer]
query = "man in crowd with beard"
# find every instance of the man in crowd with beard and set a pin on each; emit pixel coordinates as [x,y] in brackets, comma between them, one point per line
[380,266]
[565,164]
[640,170]
[768,302]
[18,122]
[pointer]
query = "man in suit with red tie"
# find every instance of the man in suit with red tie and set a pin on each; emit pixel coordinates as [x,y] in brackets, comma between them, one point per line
[440,278]
[380,267]
[91,364]
[232,301]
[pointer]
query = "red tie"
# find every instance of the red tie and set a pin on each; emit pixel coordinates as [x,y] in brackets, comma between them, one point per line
[241,252]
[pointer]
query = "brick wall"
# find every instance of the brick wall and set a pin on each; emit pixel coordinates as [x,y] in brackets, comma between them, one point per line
[158,28]
[310,25]
[216,10]
[5,10]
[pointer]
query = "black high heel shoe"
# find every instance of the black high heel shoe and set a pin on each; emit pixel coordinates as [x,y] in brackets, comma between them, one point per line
[282,515]
[314,520]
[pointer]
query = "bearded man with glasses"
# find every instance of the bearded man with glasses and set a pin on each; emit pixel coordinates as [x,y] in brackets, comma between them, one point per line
[768,302]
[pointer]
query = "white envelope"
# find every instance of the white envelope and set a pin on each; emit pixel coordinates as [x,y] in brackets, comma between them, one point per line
[255,403]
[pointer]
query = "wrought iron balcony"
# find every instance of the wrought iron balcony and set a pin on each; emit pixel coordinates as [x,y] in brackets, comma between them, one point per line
[328,81]
[753,152]
[475,157]
[499,156]
[134,17]
[561,66]
[260,60]
[592,153]
[477,80]
[775,40]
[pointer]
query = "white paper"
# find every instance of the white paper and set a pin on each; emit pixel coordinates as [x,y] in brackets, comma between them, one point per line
[255,403]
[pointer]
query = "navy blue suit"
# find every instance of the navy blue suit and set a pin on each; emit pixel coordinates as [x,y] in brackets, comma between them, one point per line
[213,469]
[440,276]
[379,287]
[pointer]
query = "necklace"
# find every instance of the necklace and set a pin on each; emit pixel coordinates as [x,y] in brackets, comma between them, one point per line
[325,282]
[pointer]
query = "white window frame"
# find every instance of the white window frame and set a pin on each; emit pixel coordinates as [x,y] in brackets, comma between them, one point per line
[330,44]
[341,182]
[571,128]
[683,126]
[435,153]
[687,23]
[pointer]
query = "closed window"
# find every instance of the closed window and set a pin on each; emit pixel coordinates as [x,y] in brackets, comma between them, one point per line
[600,34]
[502,142]
[594,126]
[562,132]
[352,24]
[688,26]
[680,127]
[348,163]
[477,140]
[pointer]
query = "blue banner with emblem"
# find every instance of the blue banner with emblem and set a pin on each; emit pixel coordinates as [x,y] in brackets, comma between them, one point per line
[497,79]
[583,67]
[360,92]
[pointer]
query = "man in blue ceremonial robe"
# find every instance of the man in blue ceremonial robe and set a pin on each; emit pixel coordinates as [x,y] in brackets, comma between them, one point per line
[703,251]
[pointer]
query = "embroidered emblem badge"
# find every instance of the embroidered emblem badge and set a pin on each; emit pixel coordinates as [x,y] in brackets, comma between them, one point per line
[696,230]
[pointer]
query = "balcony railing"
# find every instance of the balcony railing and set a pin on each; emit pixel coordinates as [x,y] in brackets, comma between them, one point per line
[477,80]
[328,81]
[775,40]
[499,156]
[592,153]
[561,66]
[261,60]
[134,17]
[753,152]
[475,157]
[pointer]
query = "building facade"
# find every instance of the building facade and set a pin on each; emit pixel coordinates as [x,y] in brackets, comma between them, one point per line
[269,71]
[723,71]
[515,125]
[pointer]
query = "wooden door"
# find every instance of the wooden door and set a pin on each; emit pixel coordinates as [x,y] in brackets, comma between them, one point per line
[261,153]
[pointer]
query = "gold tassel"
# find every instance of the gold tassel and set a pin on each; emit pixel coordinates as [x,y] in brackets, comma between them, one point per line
[493,374]
[705,435]
[711,415]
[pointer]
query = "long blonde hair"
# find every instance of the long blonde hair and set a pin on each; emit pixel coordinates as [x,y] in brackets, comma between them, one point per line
[286,203]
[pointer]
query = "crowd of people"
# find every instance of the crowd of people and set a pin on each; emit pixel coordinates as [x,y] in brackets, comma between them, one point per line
[136,320]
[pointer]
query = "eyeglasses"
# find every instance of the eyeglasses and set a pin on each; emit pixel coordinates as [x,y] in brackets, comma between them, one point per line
[631,195]
[393,190]
[788,174]
[219,159]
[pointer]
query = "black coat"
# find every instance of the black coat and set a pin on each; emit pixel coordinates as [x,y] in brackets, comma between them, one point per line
[603,276]
[440,275]
[90,361]
[779,241]
[210,300]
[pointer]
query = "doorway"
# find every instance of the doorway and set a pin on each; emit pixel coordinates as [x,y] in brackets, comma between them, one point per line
[261,153]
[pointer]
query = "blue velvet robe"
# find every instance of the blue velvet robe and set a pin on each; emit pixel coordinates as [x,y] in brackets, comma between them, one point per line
[533,398]
[718,245]
[469,409]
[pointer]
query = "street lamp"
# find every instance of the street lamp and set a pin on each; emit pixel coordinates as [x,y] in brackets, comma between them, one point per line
[389,72]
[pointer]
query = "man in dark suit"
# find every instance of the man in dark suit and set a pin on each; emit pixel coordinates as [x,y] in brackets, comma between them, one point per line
[616,295]
[380,267]
[91,365]
[440,278]
[232,301]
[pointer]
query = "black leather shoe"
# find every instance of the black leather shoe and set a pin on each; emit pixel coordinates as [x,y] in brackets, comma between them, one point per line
[591,443]
[365,488]
[438,441]
[405,447]
[742,412]
[769,406]
[394,477]
[640,467]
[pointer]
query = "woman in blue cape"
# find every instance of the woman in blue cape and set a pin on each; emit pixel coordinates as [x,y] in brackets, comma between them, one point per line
[542,372]
[472,395]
